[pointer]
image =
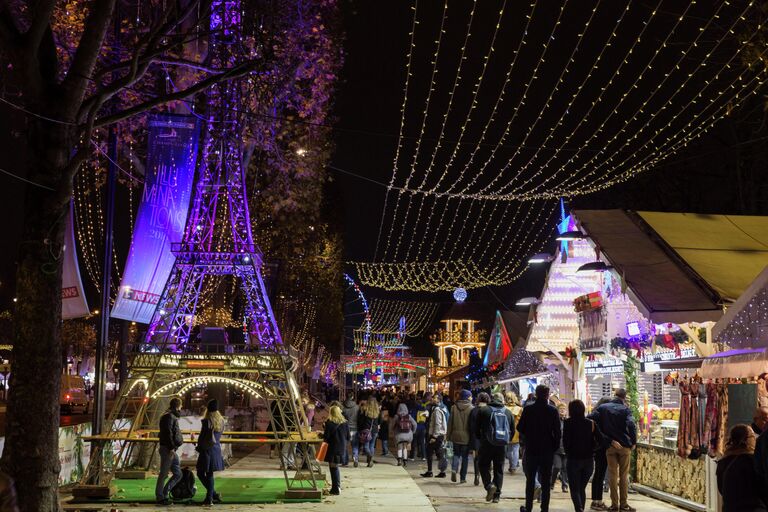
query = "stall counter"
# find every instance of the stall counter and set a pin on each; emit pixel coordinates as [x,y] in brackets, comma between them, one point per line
[661,469]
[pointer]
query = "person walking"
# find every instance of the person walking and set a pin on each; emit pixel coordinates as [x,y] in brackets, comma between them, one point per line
[404,427]
[421,415]
[474,442]
[383,436]
[170,441]
[513,448]
[436,431]
[540,425]
[458,434]
[368,428]
[580,437]
[558,463]
[616,422]
[336,434]
[209,458]
[350,412]
[601,464]
[737,479]
[495,424]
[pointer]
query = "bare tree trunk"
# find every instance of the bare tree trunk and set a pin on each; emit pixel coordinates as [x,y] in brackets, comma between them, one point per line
[30,454]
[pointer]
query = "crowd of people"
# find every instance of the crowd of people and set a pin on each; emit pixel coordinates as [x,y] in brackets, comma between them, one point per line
[553,441]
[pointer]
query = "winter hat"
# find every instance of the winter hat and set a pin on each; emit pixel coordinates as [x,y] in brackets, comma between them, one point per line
[465,394]
[213,405]
[498,397]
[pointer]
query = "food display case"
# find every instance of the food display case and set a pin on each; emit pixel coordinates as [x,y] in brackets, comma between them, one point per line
[663,428]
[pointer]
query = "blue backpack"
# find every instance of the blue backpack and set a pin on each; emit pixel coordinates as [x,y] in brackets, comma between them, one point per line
[498,429]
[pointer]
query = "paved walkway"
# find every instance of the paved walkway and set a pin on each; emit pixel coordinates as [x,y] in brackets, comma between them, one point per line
[384,487]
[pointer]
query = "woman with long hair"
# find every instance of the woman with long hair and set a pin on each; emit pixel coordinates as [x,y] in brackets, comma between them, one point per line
[580,438]
[336,434]
[368,427]
[737,479]
[209,458]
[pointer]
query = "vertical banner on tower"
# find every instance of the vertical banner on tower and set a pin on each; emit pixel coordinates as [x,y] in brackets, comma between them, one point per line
[171,158]
[73,302]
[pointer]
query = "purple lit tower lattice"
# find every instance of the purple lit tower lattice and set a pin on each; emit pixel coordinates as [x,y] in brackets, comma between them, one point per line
[216,242]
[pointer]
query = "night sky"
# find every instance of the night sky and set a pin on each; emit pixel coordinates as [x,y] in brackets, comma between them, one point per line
[697,178]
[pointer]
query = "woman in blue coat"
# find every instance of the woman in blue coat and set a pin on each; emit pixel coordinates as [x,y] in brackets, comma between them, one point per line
[209,459]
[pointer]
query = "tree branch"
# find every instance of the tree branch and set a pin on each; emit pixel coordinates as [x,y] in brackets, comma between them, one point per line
[41,12]
[235,72]
[87,54]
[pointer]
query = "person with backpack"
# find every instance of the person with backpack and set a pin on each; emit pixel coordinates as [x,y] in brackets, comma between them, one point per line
[540,426]
[350,410]
[513,448]
[404,426]
[458,434]
[438,426]
[494,430]
[170,441]
[336,434]
[601,464]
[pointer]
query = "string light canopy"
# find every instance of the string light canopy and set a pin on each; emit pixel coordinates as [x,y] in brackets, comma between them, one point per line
[407,317]
[477,149]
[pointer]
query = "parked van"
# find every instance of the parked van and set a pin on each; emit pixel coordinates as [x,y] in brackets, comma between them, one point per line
[72,396]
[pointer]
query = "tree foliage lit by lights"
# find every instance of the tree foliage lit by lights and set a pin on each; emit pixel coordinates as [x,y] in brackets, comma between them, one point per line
[294,224]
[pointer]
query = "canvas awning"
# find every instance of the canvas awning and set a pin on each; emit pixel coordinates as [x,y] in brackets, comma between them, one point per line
[680,267]
[744,323]
[735,364]
[727,251]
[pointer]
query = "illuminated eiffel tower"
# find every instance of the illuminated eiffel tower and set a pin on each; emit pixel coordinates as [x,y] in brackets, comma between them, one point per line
[217,242]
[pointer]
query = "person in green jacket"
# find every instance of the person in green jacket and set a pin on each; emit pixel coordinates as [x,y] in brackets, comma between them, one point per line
[458,434]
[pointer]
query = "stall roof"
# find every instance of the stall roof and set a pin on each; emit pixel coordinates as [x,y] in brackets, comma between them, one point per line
[517,325]
[728,251]
[666,287]
[681,267]
[744,324]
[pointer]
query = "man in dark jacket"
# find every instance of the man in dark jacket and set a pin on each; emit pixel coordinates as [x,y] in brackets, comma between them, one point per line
[540,426]
[170,441]
[617,424]
[474,442]
[493,449]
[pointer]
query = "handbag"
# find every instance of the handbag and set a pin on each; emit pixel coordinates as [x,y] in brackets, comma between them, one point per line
[364,435]
[322,452]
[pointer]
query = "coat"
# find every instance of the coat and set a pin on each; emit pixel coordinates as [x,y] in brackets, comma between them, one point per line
[438,425]
[483,423]
[170,433]
[516,411]
[350,410]
[337,436]
[210,459]
[404,436]
[579,438]
[739,484]
[458,423]
[539,427]
[616,422]
[474,441]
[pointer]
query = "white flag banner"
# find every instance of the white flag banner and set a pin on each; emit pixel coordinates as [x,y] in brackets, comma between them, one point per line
[73,302]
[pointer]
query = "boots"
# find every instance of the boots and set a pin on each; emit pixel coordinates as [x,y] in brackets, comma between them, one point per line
[335,480]
[399,461]
[369,458]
